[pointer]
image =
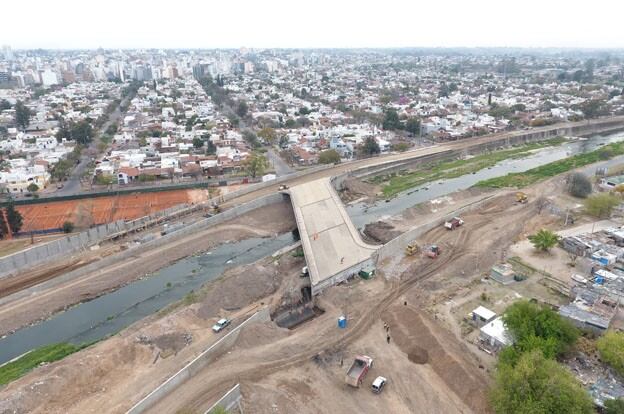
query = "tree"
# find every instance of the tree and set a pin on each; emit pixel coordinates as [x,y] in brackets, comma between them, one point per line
[251,138]
[61,169]
[198,142]
[536,385]
[82,132]
[268,134]
[544,240]
[4,104]
[304,111]
[400,147]
[593,108]
[413,126]
[241,109]
[256,164]
[32,188]
[601,205]
[210,148]
[391,120]
[614,406]
[68,227]
[22,115]
[611,348]
[14,218]
[579,185]
[329,156]
[371,146]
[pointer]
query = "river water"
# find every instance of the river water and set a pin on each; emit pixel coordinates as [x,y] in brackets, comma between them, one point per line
[108,314]
[362,213]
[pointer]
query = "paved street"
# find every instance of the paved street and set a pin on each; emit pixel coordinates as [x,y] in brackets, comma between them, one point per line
[72,185]
[281,168]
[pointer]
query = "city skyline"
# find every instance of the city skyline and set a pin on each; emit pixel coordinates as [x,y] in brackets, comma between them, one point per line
[324,24]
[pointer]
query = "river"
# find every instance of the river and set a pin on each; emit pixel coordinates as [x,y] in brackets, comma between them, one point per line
[110,313]
[363,213]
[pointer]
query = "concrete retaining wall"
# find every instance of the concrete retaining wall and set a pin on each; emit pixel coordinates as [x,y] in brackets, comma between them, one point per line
[397,245]
[230,400]
[65,246]
[160,241]
[197,364]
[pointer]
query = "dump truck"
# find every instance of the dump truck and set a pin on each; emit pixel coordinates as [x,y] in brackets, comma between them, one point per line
[432,251]
[411,249]
[453,223]
[358,370]
[521,197]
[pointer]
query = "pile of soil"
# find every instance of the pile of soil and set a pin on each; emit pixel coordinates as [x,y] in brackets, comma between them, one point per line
[353,188]
[239,287]
[380,232]
[260,334]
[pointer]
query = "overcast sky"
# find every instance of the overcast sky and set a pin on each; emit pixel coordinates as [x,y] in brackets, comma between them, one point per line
[314,23]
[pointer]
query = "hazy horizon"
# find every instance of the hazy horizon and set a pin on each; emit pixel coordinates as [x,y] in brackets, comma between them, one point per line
[276,24]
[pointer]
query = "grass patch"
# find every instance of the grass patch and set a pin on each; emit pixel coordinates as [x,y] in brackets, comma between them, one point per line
[543,172]
[49,353]
[404,180]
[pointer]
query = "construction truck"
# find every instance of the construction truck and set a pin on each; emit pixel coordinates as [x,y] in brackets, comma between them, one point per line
[411,249]
[358,370]
[432,251]
[453,223]
[521,197]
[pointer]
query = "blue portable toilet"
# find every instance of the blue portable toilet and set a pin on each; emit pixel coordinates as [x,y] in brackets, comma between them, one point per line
[599,280]
[342,322]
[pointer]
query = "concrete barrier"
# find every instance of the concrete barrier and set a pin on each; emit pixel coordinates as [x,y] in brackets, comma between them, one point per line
[230,400]
[197,364]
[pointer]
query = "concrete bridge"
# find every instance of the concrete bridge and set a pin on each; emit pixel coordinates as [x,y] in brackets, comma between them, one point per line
[332,245]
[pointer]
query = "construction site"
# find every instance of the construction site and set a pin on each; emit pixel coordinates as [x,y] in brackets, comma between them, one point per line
[332,298]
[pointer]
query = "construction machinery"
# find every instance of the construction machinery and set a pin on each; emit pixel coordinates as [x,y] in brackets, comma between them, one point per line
[432,251]
[521,197]
[358,370]
[411,249]
[453,223]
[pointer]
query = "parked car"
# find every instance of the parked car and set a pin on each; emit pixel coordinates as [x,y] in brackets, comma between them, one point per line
[221,325]
[379,384]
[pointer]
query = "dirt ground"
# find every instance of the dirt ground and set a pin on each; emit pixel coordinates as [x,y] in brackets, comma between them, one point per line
[264,222]
[356,189]
[299,370]
[430,366]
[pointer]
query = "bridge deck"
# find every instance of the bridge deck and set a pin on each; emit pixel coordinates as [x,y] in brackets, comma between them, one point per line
[331,244]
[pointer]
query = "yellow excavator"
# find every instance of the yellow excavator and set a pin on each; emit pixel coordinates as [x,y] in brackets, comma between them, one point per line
[521,197]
